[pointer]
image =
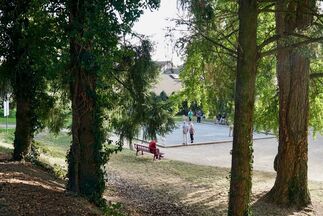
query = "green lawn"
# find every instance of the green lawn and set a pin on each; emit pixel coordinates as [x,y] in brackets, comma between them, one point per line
[11,117]
[11,120]
[5,149]
[194,189]
[183,187]
[50,144]
[7,136]
[54,145]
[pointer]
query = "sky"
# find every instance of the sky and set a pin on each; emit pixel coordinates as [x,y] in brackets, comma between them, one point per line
[154,24]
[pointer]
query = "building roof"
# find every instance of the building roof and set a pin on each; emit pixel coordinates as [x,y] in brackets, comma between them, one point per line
[167,83]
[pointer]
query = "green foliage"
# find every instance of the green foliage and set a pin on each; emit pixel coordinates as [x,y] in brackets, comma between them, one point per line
[316,92]
[55,145]
[209,71]
[158,117]
[134,107]
[113,209]
[95,32]
[36,149]
[267,104]
[208,75]
[33,155]
[29,54]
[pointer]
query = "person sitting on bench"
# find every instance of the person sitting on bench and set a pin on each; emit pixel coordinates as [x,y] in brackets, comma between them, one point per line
[153,146]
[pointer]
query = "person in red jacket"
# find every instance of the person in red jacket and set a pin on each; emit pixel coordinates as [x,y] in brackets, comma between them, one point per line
[153,146]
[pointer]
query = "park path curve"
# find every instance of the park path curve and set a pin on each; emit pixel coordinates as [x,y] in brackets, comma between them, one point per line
[264,153]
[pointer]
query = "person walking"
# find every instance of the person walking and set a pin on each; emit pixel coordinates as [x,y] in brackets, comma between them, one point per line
[191,130]
[185,131]
[190,115]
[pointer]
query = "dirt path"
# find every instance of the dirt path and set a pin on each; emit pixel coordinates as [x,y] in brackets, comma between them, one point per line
[27,190]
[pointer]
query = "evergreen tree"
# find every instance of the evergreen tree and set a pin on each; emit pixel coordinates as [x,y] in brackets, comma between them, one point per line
[292,70]
[94,30]
[26,50]
[241,167]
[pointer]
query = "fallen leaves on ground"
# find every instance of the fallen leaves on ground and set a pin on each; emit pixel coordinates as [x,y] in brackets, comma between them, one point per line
[28,190]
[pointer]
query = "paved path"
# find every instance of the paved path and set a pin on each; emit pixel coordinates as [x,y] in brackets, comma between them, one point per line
[9,125]
[264,154]
[205,132]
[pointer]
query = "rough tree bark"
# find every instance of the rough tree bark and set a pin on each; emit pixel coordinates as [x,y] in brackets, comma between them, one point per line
[22,79]
[24,116]
[241,169]
[291,186]
[84,172]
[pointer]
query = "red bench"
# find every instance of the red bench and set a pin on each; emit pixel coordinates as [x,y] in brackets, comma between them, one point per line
[141,148]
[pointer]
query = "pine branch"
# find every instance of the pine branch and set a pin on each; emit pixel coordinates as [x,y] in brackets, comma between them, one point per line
[275,38]
[268,41]
[299,44]
[198,31]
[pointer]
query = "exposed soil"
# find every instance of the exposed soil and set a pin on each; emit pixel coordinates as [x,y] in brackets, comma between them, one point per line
[28,190]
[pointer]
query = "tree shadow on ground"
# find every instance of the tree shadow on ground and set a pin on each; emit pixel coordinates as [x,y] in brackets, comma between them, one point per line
[20,171]
[146,199]
[5,154]
[262,205]
[27,190]
[25,199]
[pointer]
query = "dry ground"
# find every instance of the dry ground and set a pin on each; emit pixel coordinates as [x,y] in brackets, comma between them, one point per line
[143,187]
[27,190]
[175,188]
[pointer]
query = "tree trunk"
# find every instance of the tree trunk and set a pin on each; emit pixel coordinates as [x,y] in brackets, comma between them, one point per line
[241,168]
[291,186]
[84,171]
[130,145]
[24,115]
[23,82]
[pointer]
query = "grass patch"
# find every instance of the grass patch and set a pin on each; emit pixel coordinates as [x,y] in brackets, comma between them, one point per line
[11,117]
[54,145]
[196,189]
[11,120]
[7,136]
[5,149]
[186,171]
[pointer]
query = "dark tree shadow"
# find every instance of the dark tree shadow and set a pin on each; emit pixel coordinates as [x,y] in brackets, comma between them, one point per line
[27,190]
[5,154]
[263,205]
[24,199]
[23,171]
[148,200]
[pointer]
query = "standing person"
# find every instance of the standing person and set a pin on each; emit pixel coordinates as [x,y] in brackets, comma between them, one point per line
[185,131]
[198,116]
[190,115]
[218,118]
[191,131]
